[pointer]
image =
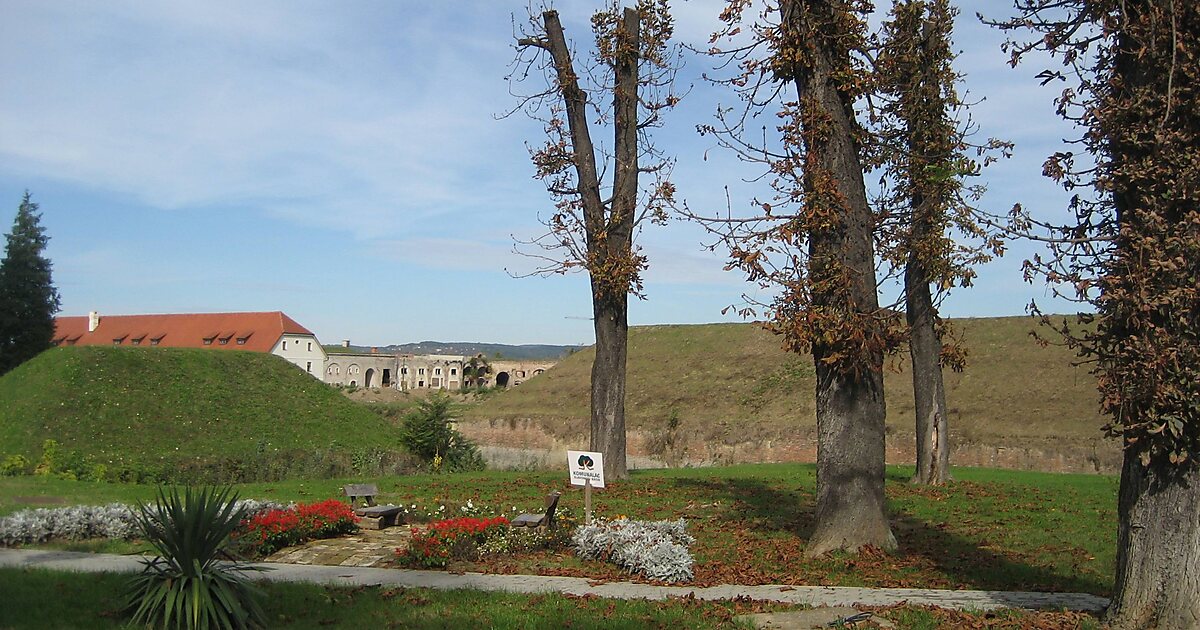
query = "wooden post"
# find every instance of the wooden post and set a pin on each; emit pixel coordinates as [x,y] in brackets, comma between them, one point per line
[587,501]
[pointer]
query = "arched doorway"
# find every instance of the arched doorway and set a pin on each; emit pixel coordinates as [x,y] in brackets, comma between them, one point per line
[367,380]
[502,379]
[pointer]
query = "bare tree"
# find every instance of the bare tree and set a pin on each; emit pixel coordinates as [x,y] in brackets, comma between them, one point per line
[812,241]
[596,218]
[1131,251]
[928,227]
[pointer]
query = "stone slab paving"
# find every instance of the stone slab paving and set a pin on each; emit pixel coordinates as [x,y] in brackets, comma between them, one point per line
[366,548]
[814,596]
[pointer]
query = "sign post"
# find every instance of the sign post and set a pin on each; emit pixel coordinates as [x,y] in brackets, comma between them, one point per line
[587,470]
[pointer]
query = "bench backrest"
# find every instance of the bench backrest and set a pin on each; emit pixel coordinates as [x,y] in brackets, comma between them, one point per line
[551,506]
[364,491]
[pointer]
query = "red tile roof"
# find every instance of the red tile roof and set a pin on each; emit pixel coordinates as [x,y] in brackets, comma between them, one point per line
[257,332]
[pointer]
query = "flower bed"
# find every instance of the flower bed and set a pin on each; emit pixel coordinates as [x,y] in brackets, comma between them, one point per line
[272,530]
[456,538]
[80,522]
[655,549]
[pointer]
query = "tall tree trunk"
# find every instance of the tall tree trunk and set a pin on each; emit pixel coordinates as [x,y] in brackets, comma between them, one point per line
[1158,548]
[851,507]
[610,296]
[929,390]
[608,384]
[609,230]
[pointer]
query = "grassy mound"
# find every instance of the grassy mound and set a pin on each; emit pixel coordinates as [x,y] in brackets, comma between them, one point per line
[167,413]
[733,381]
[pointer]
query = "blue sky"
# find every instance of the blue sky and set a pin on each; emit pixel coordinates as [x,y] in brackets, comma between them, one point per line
[344,163]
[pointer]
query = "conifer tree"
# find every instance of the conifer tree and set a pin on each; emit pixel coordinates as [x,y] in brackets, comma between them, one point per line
[28,299]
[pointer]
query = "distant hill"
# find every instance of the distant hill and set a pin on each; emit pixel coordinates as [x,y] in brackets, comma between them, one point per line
[731,385]
[169,409]
[469,348]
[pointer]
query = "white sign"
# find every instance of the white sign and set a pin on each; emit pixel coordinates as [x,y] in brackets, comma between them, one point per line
[585,467]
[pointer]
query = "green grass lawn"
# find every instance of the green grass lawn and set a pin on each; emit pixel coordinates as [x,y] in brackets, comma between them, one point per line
[46,599]
[990,529]
[93,601]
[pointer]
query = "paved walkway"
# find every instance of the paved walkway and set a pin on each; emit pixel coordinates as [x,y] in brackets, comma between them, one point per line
[371,576]
[365,548]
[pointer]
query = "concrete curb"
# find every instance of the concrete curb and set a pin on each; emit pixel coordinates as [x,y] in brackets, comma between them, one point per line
[367,576]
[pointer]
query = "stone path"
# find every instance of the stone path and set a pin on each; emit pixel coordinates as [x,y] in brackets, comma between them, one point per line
[372,576]
[367,548]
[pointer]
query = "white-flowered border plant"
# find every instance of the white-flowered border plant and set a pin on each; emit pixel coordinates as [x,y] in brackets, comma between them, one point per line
[656,549]
[80,522]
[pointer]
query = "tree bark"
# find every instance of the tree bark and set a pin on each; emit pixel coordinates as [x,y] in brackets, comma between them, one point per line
[1158,548]
[929,390]
[851,507]
[608,385]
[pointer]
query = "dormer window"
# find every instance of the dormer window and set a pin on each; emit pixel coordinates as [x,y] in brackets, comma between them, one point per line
[241,340]
[209,339]
[117,340]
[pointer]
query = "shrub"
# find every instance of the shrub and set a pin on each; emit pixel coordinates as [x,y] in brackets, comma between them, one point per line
[79,522]
[72,523]
[426,432]
[655,549]
[185,585]
[272,530]
[452,539]
[14,465]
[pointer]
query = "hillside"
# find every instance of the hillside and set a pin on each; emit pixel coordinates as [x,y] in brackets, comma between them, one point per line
[731,389]
[162,409]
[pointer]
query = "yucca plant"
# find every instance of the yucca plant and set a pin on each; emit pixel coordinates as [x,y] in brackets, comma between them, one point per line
[186,586]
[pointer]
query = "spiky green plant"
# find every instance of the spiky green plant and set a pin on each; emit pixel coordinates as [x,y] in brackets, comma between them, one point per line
[186,586]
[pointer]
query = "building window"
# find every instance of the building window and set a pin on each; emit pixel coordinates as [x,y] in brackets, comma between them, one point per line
[309,367]
[285,344]
[453,371]
[310,346]
[208,342]
[154,342]
[420,371]
[136,342]
[437,371]
[223,341]
[420,383]
[241,341]
[404,370]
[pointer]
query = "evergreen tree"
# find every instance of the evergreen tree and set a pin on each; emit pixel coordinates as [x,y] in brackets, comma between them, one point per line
[28,299]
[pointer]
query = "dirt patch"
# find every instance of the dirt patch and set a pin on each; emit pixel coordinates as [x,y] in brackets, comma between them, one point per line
[525,439]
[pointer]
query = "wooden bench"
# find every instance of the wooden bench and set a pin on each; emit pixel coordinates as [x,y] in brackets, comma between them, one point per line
[545,519]
[362,500]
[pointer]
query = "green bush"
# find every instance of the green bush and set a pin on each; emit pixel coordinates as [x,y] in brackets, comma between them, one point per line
[427,433]
[185,586]
[14,465]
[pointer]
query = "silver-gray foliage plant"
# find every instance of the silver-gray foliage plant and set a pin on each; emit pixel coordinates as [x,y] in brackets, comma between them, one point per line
[79,522]
[655,549]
